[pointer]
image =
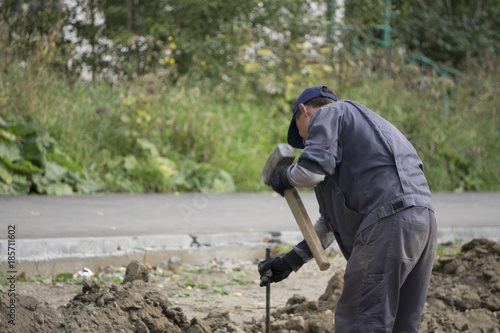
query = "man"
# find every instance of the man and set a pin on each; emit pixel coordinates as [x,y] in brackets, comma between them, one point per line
[373,199]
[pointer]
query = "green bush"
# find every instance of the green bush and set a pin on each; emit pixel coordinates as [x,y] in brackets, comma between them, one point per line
[204,108]
[32,161]
[151,137]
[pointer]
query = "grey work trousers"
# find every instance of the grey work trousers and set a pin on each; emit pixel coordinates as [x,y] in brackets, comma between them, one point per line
[388,274]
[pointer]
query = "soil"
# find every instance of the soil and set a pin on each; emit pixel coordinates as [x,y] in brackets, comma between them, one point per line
[224,296]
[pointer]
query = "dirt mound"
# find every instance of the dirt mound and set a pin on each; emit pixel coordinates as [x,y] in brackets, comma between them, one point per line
[303,315]
[36,316]
[464,296]
[131,306]
[128,307]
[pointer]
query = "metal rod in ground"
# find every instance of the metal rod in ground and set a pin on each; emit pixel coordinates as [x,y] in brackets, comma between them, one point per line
[268,293]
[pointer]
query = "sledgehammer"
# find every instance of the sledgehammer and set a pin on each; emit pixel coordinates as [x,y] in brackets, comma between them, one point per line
[284,155]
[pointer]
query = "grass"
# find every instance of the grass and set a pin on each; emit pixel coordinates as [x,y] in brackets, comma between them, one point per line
[450,247]
[220,291]
[239,280]
[196,285]
[66,278]
[199,129]
[280,249]
[178,294]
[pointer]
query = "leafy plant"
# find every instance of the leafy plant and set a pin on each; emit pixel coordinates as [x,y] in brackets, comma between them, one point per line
[240,281]
[152,172]
[117,278]
[178,294]
[220,291]
[63,277]
[212,128]
[31,161]
[450,247]
[140,165]
[196,285]
[280,249]
[218,284]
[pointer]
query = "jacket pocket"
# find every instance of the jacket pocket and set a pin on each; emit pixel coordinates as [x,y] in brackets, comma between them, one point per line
[350,216]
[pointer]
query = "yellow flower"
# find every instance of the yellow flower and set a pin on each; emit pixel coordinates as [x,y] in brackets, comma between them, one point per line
[173,46]
[170,38]
[51,53]
[53,44]
[203,63]
[129,100]
[324,49]
[70,43]
[169,60]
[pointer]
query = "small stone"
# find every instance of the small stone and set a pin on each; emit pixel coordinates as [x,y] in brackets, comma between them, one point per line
[40,319]
[460,269]
[136,271]
[199,326]
[488,275]
[298,324]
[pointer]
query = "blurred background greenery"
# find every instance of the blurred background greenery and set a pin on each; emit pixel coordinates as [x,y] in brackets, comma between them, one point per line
[193,95]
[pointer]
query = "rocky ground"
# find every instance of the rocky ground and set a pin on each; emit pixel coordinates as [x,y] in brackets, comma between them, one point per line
[224,296]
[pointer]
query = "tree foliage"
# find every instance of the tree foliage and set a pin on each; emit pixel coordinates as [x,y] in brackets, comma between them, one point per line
[449,31]
[127,39]
[445,31]
[192,78]
[27,24]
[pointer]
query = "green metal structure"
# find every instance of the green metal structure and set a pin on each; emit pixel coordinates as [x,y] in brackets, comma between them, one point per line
[412,58]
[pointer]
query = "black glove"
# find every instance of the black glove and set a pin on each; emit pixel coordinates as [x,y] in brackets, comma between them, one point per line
[277,269]
[279,179]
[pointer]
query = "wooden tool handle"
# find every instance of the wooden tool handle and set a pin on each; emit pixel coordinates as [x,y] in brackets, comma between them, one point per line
[306,227]
[268,295]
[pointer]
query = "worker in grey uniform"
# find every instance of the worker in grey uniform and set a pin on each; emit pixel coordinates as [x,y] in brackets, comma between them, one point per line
[373,200]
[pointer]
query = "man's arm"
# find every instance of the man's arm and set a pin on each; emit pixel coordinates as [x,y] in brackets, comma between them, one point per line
[279,268]
[305,173]
[325,236]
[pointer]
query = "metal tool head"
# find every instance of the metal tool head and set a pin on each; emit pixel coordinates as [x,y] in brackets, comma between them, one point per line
[282,155]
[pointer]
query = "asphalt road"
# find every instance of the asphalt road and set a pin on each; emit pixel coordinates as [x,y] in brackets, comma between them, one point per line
[58,234]
[114,215]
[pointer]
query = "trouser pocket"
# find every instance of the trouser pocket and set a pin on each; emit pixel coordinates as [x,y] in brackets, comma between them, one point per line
[372,297]
[408,239]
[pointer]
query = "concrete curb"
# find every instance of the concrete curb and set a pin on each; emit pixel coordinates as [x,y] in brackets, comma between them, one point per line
[466,234]
[51,256]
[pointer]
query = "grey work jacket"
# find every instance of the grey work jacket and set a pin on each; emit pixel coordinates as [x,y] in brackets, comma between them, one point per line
[372,170]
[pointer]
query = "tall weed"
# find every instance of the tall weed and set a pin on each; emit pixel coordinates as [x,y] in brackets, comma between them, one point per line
[204,136]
